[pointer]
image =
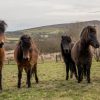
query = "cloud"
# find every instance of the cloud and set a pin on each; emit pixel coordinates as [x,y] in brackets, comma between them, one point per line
[21,14]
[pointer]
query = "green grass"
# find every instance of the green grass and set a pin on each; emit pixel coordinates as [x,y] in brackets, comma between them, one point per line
[52,85]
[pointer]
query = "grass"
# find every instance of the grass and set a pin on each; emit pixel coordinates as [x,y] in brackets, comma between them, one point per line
[52,85]
[12,39]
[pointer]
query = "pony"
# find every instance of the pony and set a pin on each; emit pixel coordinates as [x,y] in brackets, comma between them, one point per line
[81,52]
[2,50]
[26,56]
[66,46]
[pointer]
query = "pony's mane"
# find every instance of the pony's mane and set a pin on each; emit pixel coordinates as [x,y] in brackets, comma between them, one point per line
[20,54]
[86,30]
[2,26]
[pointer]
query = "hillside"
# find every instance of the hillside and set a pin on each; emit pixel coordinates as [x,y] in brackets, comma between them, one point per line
[48,37]
[55,29]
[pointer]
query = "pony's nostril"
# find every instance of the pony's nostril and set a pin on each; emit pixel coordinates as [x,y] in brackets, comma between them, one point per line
[67,50]
[97,45]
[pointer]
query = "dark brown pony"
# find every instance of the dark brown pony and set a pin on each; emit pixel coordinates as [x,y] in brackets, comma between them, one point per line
[81,52]
[2,50]
[26,55]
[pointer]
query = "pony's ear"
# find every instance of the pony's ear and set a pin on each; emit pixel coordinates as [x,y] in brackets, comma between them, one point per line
[21,38]
[29,37]
[69,39]
[62,37]
[3,26]
[3,22]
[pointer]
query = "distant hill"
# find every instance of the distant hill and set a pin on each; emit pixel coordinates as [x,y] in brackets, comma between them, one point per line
[55,29]
[48,38]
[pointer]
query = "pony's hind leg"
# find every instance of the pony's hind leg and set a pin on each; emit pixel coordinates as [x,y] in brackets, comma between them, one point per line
[20,69]
[35,71]
[32,72]
[84,71]
[29,77]
[88,74]
[75,71]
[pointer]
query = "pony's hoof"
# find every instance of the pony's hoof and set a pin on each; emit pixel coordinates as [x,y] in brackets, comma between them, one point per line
[0,90]
[18,87]
[37,82]
[71,76]
[29,87]
[66,78]
[76,78]
[79,81]
[89,82]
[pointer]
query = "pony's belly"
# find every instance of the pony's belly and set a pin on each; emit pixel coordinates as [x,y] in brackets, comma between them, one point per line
[85,60]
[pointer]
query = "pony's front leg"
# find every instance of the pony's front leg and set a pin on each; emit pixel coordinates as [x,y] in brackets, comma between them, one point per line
[79,73]
[0,77]
[20,69]
[29,77]
[75,71]
[67,71]
[71,70]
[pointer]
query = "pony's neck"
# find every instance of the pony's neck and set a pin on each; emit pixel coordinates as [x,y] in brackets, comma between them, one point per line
[84,45]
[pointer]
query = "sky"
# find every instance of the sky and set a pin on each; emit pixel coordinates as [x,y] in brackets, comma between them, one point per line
[23,14]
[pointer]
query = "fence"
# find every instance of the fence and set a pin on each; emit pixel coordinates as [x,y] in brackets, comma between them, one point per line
[42,58]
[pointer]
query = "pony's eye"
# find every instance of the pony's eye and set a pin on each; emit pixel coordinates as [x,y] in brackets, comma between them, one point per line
[92,35]
[29,38]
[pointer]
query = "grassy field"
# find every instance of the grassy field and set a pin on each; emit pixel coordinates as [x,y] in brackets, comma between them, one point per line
[12,39]
[52,85]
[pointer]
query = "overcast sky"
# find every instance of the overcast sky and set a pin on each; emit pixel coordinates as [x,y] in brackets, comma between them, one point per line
[21,14]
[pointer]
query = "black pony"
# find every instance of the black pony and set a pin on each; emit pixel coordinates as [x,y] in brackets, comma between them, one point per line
[66,46]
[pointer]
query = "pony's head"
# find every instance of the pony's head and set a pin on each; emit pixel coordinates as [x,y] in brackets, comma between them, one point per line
[2,26]
[66,40]
[25,45]
[89,35]
[2,30]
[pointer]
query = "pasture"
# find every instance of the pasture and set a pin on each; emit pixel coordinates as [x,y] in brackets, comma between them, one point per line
[52,84]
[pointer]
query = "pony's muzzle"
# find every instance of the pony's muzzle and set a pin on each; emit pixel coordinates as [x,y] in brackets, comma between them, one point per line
[26,58]
[66,50]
